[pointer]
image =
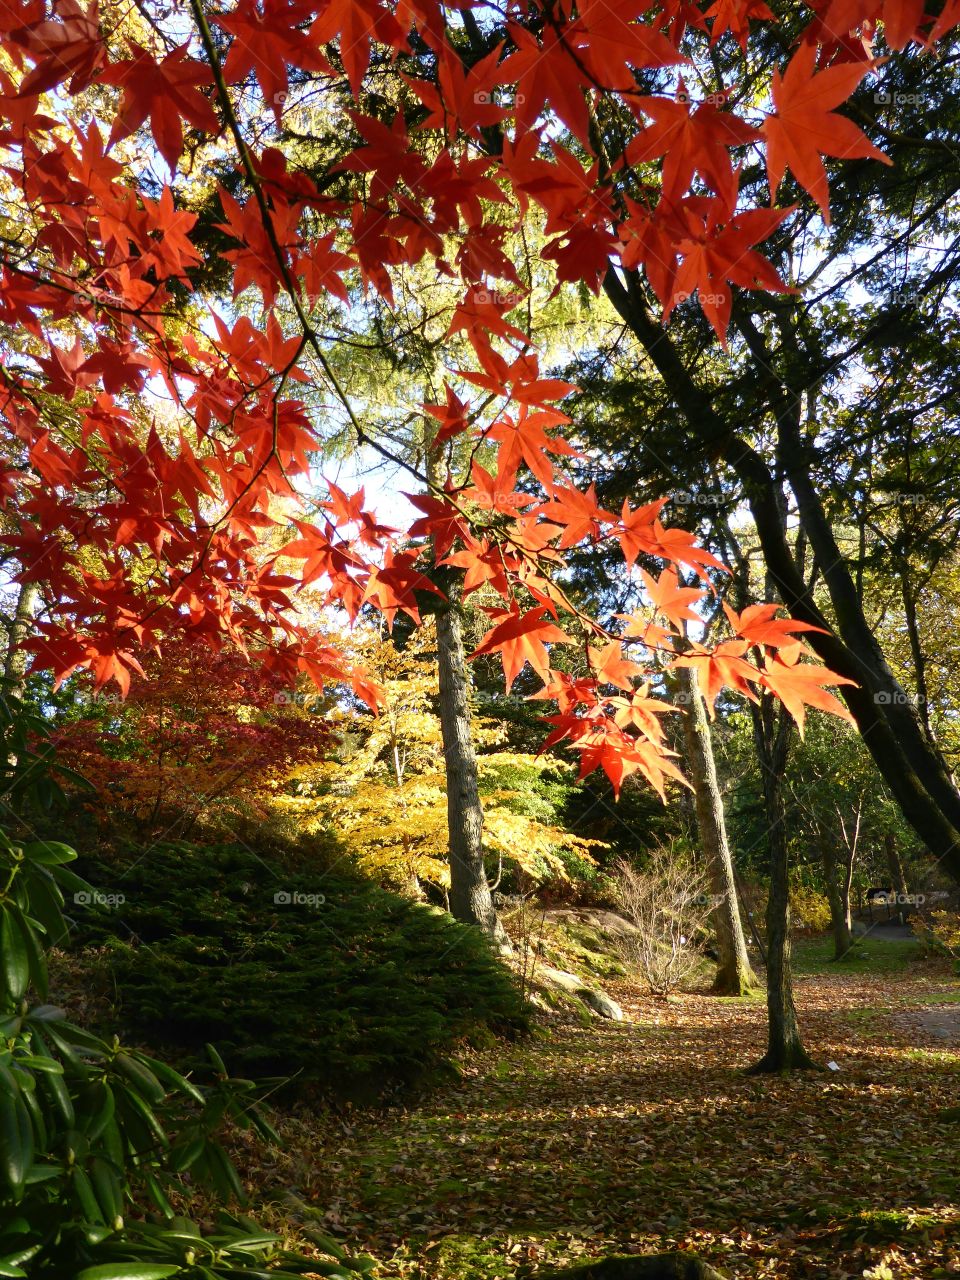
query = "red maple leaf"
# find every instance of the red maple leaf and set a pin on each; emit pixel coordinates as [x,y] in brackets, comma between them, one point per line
[806,127]
[266,40]
[521,638]
[735,16]
[462,95]
[168,92]
[716,251]
[690,141]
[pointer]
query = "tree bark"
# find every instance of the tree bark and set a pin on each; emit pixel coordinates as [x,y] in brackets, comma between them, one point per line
[15,659]
[470,897]
[785,1051]
[838,895]
[889,724]
[735,977]
[897,875]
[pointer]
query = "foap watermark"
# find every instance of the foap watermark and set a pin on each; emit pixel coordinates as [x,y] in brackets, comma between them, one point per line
[509,298]
[94,898]
[686,498]
[885,898]
[685,98]
[898,698]
[296,898]
[891,98]
[905,499]
[705,299]
[500,500]
[294,698]
[484,98]
[909,295]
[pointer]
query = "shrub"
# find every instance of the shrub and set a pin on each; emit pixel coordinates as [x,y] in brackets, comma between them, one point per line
[93,1132]
[809,908]
[669,904]
[347,987]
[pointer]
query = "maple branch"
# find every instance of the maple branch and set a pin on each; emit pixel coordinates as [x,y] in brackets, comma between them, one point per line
[289,284]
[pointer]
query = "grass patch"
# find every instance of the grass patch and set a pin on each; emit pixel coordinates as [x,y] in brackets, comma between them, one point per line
[887,1226]
[868,956]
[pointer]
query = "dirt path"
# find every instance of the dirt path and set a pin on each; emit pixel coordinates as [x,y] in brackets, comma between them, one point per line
[647,1135]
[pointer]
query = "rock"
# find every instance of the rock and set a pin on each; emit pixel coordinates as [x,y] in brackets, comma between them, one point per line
[650,1266]
[601,1003]
[608,922]
[559,978]
[597,1002]
[950,1115]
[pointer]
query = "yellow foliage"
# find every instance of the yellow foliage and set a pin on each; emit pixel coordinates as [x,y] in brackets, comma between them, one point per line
[384,792]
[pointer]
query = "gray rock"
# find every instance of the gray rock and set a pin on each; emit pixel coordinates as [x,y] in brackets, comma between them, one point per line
[559,978]
[601,1003]
[609,922]
[597,1002]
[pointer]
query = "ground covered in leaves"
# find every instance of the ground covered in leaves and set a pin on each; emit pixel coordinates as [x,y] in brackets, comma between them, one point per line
[647,1135]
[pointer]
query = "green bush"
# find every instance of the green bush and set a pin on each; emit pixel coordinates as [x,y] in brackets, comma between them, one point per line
[92,1132]
[346,987]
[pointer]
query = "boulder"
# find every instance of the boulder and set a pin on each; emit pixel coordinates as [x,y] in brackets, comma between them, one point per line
[558,978]
[608,922]
[649,1266]
[601,1003]
[597,1002]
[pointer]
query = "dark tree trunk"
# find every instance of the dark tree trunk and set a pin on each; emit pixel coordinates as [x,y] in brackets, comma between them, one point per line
[897,875]
[838,895]
[735,977]
[892,731]
[785,1051]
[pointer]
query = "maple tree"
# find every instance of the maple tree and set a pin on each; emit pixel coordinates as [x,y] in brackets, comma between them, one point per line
[198,730]
[159,439]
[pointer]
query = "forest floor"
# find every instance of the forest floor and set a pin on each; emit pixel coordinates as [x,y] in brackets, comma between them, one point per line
[647,1135]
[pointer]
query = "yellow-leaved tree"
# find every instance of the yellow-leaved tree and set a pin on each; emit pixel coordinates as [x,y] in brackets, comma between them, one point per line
[382,787]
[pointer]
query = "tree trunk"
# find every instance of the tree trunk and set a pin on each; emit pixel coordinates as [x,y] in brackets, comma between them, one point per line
[15,660]
[897,875]
[735,977]
[892,731]
[838,895]
[785,1051]
[470,897]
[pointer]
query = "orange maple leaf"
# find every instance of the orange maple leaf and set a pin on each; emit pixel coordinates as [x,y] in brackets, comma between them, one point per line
[670,599]
[521,638]
[805,126]
[799,685]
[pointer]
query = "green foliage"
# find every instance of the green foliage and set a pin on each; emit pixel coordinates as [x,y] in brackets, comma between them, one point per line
[346,987]
[90,1128]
